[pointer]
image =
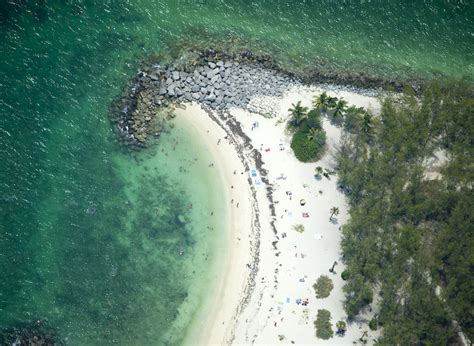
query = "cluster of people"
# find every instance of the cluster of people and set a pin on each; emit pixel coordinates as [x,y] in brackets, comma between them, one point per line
[302,302]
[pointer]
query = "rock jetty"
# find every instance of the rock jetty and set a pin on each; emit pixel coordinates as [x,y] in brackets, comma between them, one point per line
[217,83]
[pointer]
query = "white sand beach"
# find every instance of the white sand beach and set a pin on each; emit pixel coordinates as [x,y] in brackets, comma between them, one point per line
[269,266]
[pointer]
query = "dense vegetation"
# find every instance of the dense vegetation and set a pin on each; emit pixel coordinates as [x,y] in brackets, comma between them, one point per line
[323,287]
[410,238]
[309,137]
[323,325]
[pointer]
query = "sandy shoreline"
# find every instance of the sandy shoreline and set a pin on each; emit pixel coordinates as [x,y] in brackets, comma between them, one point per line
[268,265]
[215,325]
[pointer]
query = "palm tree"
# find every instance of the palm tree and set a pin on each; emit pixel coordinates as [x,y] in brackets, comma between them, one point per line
[364,334]
[340,108]
[331,102]
[331,270]
[321,101]
[317,135]
[318,170]
[298,114]
[334,211]
[312,133]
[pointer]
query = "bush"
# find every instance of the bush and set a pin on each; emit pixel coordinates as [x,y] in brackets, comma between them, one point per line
[345,275]
[307,150]
[323,325]
[298,228]
[341,328]
[373,324]
[323,287]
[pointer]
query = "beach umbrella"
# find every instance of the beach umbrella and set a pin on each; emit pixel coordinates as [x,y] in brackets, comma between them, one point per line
[302,202]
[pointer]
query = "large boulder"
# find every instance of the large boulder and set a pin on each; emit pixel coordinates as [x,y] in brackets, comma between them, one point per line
[175,75]
[211,97]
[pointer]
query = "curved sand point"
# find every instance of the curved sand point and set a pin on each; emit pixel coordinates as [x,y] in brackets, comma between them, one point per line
[270,266]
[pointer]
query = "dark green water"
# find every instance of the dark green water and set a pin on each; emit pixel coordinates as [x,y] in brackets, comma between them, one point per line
[89,236]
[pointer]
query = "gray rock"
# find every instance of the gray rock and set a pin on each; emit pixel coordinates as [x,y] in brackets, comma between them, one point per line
[188,97]
[210,74]
[211,65]
[195,88]
[176,75]
[196,96]
[157,100]
[213,80]
[171,92]
[211,97]
[162,91]
[220,63]
[227,64]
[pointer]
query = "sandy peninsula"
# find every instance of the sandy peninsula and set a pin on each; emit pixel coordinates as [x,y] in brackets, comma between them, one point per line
[270,268]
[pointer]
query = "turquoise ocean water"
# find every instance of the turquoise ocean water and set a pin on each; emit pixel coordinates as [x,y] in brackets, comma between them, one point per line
[91,237]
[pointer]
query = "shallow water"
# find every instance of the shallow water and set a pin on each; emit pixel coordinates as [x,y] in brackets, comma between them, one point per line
[90,237]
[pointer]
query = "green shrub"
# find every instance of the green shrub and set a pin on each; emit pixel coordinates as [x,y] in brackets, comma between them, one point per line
[323,325]
[345,275]
[298,228]
[373,324]
[307,150]
[341,328]
[323,286]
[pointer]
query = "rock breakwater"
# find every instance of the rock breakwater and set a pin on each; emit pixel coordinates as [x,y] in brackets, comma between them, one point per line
[217,82]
